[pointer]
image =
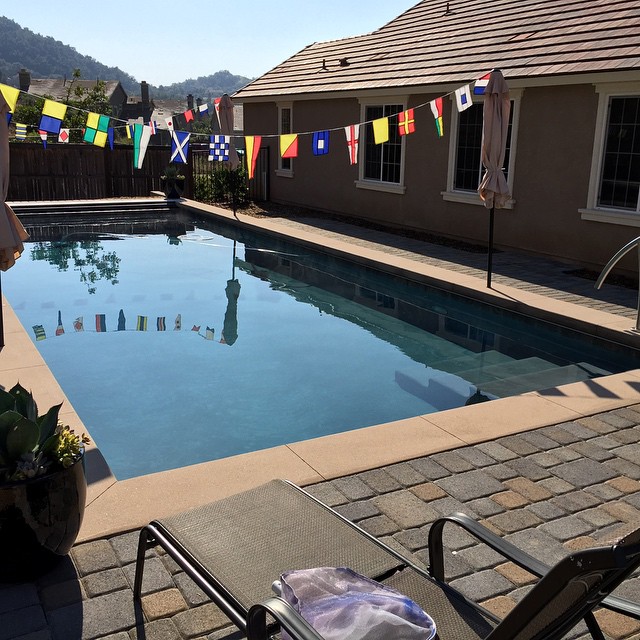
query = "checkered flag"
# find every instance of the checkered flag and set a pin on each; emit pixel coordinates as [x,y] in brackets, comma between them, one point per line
[219,148]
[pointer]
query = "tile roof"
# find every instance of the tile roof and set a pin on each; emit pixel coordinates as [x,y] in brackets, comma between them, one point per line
[439,42]
[58,88]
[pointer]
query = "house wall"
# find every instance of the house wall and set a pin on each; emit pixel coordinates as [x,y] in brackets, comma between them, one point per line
[555,140]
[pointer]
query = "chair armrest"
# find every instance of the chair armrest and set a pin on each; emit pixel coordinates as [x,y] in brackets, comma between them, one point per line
[502,546]
[288,618]
[509,551]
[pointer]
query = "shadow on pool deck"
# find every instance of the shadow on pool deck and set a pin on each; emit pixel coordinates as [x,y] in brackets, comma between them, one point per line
[557,466]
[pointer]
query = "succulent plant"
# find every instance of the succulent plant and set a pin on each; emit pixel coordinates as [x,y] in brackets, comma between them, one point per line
[32,444]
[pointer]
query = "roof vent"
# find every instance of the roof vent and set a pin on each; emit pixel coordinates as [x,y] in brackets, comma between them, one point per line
[324,64]
[447,11]
[344,62]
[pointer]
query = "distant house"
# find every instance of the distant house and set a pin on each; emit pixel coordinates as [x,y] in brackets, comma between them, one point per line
[573,162]
[122,106]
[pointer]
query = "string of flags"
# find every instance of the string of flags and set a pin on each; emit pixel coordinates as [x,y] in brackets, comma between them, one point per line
[100,132]
[100,325]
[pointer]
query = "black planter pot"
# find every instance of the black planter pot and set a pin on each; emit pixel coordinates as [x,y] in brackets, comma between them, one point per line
[40,520]
[172,187]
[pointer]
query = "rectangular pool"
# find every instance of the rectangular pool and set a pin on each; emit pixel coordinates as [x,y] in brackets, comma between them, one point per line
[190,340]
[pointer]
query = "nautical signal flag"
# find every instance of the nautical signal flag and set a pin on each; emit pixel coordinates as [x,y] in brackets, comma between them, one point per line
[141,137]
[64,136]
[53,114]
[436,109]
[481,85]
[43,137]
[96,130]
[59,328]
[463,97]
[252,146]
[38,329]
[320,143]
[203,109]
[101,322]
[21,131]
[78,323]
[188,115]
[178,324]
[141,324]
[209,333]
[179,146]
[160,323]
[10,95]
[406,122]
[353,135]
[169,122]
[289,145]
[380,130]
[219,148]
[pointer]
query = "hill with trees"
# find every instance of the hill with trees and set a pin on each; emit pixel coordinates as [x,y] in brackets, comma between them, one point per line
[45,57]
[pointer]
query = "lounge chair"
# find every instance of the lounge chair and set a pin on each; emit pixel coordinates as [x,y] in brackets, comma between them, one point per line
[235,548]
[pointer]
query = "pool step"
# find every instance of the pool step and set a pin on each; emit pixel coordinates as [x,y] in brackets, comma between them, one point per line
[470,361]
[546,379]
[483,373]
[147,206]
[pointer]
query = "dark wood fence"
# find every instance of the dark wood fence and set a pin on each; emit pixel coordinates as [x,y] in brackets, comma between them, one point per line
[87,172]
[84,172]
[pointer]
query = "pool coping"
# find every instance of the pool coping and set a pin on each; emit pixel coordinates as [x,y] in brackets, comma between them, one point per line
[115,506]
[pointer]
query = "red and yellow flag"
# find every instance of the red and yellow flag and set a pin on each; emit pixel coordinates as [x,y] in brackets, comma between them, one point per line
[252,145]
[436,109]
[406,123]
[289,145]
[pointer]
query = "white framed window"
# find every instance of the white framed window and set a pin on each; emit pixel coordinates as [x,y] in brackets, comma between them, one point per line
[465,168]
[614,183]
[285,125]
[381,166]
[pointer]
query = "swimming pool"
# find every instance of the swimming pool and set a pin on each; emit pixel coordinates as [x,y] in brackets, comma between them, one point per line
[192,340]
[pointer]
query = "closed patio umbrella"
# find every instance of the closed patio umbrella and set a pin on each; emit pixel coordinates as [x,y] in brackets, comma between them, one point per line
[12,233]
[232,291]
[493,189]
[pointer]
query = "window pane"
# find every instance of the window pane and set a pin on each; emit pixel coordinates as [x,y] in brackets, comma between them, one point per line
[620,178]
[382,161]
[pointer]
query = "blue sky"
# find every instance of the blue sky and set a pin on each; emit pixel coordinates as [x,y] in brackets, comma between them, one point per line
[164,42]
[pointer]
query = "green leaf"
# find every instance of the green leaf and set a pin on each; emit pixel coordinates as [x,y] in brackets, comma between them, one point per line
[48,422]
[7,401]
[25,404]
[22,438]
[8,419]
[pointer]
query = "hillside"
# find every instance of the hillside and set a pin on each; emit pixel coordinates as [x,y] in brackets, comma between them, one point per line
[45,57]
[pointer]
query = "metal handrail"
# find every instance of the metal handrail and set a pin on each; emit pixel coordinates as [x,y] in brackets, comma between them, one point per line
[607,268]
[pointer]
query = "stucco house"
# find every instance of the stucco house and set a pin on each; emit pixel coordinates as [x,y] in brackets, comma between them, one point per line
[573,158]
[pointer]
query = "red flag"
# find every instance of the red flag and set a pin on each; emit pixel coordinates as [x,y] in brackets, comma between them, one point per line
[252,144]
[406,123]
[188,115]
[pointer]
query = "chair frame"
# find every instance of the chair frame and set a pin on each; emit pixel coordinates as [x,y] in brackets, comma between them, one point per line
[254,621]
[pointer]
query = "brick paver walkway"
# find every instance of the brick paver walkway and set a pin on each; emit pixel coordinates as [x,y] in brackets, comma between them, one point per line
[550,490]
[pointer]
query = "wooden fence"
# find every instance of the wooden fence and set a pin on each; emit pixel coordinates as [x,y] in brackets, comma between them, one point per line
[84,172]
[88,172]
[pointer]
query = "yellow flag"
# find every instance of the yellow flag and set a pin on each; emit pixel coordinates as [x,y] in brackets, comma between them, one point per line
[10,95]
[381,130]
[54,109]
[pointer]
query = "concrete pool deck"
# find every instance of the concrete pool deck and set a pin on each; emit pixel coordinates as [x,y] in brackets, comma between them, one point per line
[399,471]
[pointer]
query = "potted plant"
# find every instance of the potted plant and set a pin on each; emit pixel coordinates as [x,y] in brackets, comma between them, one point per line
[42,485]
[172,182]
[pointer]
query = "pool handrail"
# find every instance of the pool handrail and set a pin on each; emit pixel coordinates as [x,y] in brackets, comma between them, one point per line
[612,262]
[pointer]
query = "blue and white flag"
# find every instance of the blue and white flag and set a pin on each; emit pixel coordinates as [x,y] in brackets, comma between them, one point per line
[463,98]
[219,147]
[203,109]
[320,143]
[179,146]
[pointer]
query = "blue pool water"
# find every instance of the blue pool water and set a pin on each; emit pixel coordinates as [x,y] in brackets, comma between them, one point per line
[276,343]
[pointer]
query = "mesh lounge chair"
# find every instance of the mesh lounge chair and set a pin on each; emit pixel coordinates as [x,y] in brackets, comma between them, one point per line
[235,548]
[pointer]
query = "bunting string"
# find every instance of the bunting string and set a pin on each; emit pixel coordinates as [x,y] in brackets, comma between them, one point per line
[100,129]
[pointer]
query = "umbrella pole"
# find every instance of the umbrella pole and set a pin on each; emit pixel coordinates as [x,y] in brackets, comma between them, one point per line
[1,318]
[490,249]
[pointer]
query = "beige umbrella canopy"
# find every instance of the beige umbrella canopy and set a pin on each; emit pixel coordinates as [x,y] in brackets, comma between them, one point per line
[493,189]
[12,233]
